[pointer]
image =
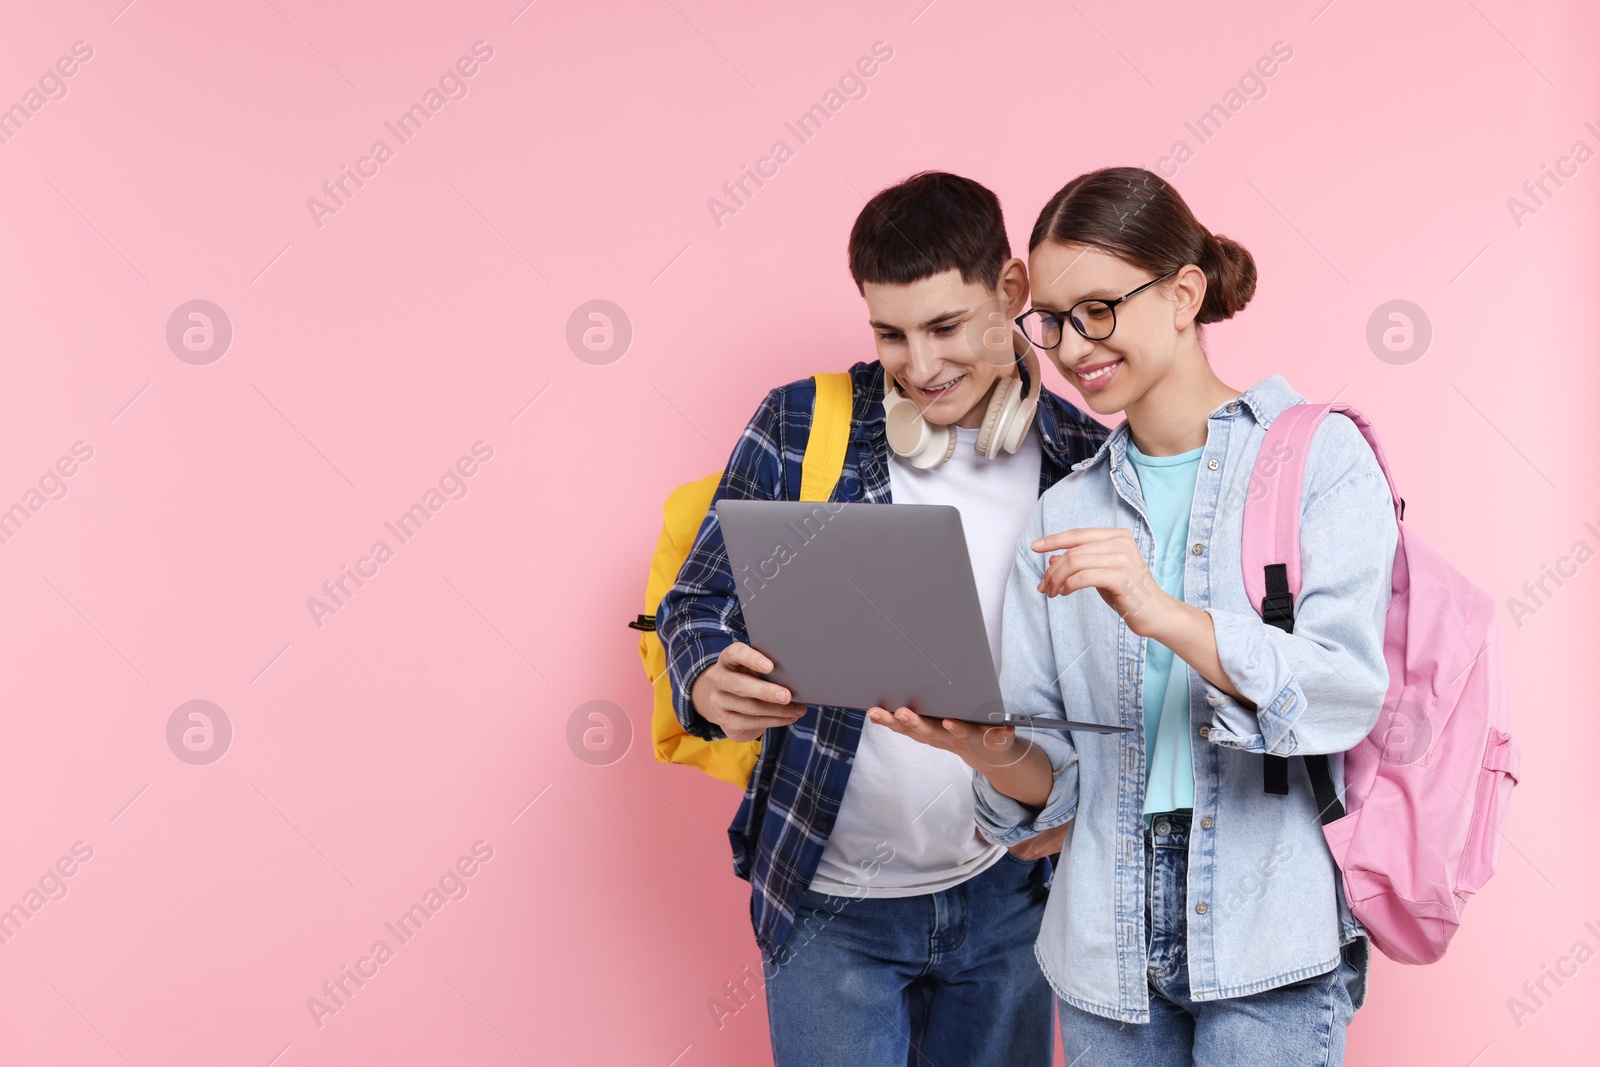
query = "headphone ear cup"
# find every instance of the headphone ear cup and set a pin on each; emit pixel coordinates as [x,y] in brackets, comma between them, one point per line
[912,437]
[1017,429]
[999,417]
[906,429]
[935,445]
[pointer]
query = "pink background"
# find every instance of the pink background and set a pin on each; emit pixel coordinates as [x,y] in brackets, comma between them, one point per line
[371,352]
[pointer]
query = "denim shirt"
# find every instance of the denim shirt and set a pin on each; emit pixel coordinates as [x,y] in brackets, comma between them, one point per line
[1265,903]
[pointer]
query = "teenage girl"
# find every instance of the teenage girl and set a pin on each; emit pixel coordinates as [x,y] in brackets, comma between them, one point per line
[1195,917]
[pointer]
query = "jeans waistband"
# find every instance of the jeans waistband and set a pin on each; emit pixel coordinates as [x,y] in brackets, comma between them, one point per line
[1168,829]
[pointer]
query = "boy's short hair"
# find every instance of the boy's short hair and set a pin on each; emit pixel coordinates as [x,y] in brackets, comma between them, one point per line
[930,223]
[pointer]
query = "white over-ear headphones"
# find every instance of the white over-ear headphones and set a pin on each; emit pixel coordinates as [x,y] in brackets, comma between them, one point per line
[1005,421]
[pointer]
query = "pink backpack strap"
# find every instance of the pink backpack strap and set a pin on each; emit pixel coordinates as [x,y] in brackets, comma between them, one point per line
[1270,554]
[1272,506]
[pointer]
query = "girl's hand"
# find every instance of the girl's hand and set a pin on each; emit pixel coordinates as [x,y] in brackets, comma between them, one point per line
[1107,560]
[1045,844]
[983,748]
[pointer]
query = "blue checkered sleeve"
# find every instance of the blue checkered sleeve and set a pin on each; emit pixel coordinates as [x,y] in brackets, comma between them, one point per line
[699,616]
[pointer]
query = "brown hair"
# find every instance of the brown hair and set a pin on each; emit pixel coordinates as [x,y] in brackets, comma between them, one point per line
[1138,217]
[930,223]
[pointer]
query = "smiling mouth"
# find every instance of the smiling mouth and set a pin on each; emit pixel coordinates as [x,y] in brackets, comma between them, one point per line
[1096,376]
[934,392]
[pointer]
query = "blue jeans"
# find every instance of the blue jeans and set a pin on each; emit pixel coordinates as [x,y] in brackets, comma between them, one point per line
[1301,1024]
[942,979]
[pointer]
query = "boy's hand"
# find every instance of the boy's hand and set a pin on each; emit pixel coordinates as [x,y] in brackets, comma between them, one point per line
[1107,560]
[732,694]
[983,748]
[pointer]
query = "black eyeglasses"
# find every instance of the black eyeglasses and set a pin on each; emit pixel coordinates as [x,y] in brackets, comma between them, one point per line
[1093,319]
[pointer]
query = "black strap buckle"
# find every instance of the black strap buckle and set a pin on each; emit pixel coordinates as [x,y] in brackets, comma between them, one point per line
[1275,775]
[1277,606]
[1277,609]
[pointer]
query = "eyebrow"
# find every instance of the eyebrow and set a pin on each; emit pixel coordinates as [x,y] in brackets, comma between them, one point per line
[943,316]
[1093,294]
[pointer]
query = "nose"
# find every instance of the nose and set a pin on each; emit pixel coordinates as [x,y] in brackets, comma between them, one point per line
[1074,347]
[921,359]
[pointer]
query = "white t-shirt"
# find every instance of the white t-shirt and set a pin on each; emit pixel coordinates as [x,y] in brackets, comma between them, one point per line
[906,822]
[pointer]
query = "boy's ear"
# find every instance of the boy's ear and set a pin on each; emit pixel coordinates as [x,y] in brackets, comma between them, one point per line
[1013,286]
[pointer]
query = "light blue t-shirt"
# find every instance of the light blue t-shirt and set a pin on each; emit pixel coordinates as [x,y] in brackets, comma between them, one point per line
[1167,484]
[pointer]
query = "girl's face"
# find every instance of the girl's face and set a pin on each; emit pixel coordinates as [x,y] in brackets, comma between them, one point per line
[1113,373]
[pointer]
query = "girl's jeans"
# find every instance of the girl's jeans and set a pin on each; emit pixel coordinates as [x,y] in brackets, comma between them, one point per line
[1301,1024]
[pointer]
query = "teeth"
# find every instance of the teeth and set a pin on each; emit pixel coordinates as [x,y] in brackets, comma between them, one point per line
[940,387]
[1102,372]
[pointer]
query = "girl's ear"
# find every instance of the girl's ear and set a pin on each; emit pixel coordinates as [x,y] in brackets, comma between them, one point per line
[1014,286]
[1189,293]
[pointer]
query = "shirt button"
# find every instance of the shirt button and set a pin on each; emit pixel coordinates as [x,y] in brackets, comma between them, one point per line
[1205,731]
[1233,407]
[1213,464]
[1200,908]
[1199,549]
[1205,823]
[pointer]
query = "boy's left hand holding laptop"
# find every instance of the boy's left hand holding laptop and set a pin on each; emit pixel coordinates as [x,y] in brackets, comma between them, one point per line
[732,694]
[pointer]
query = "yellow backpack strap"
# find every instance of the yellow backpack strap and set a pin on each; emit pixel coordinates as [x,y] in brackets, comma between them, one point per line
[830,437]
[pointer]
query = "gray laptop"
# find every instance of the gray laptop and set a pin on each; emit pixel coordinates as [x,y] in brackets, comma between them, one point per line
[869,605]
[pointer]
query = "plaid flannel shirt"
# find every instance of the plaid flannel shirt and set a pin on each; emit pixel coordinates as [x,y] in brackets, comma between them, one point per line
[793,797]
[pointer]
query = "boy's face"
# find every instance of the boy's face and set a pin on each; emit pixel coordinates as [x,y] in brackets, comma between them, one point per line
[947,341]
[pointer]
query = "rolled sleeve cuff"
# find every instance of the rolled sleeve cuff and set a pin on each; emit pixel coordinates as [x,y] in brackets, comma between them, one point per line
[694,724]
[1242,651]
[1006,821]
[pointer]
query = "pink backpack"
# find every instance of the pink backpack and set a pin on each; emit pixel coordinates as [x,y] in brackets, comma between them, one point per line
[1426,791]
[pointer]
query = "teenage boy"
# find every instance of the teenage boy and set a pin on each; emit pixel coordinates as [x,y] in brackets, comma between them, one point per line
[890,930]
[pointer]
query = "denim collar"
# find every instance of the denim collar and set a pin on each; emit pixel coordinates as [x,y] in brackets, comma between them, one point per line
[1263,401]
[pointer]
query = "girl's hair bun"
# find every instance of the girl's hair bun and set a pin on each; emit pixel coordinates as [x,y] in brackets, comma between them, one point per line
[1230,279]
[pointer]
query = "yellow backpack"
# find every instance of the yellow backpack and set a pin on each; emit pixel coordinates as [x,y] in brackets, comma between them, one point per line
[685,510]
